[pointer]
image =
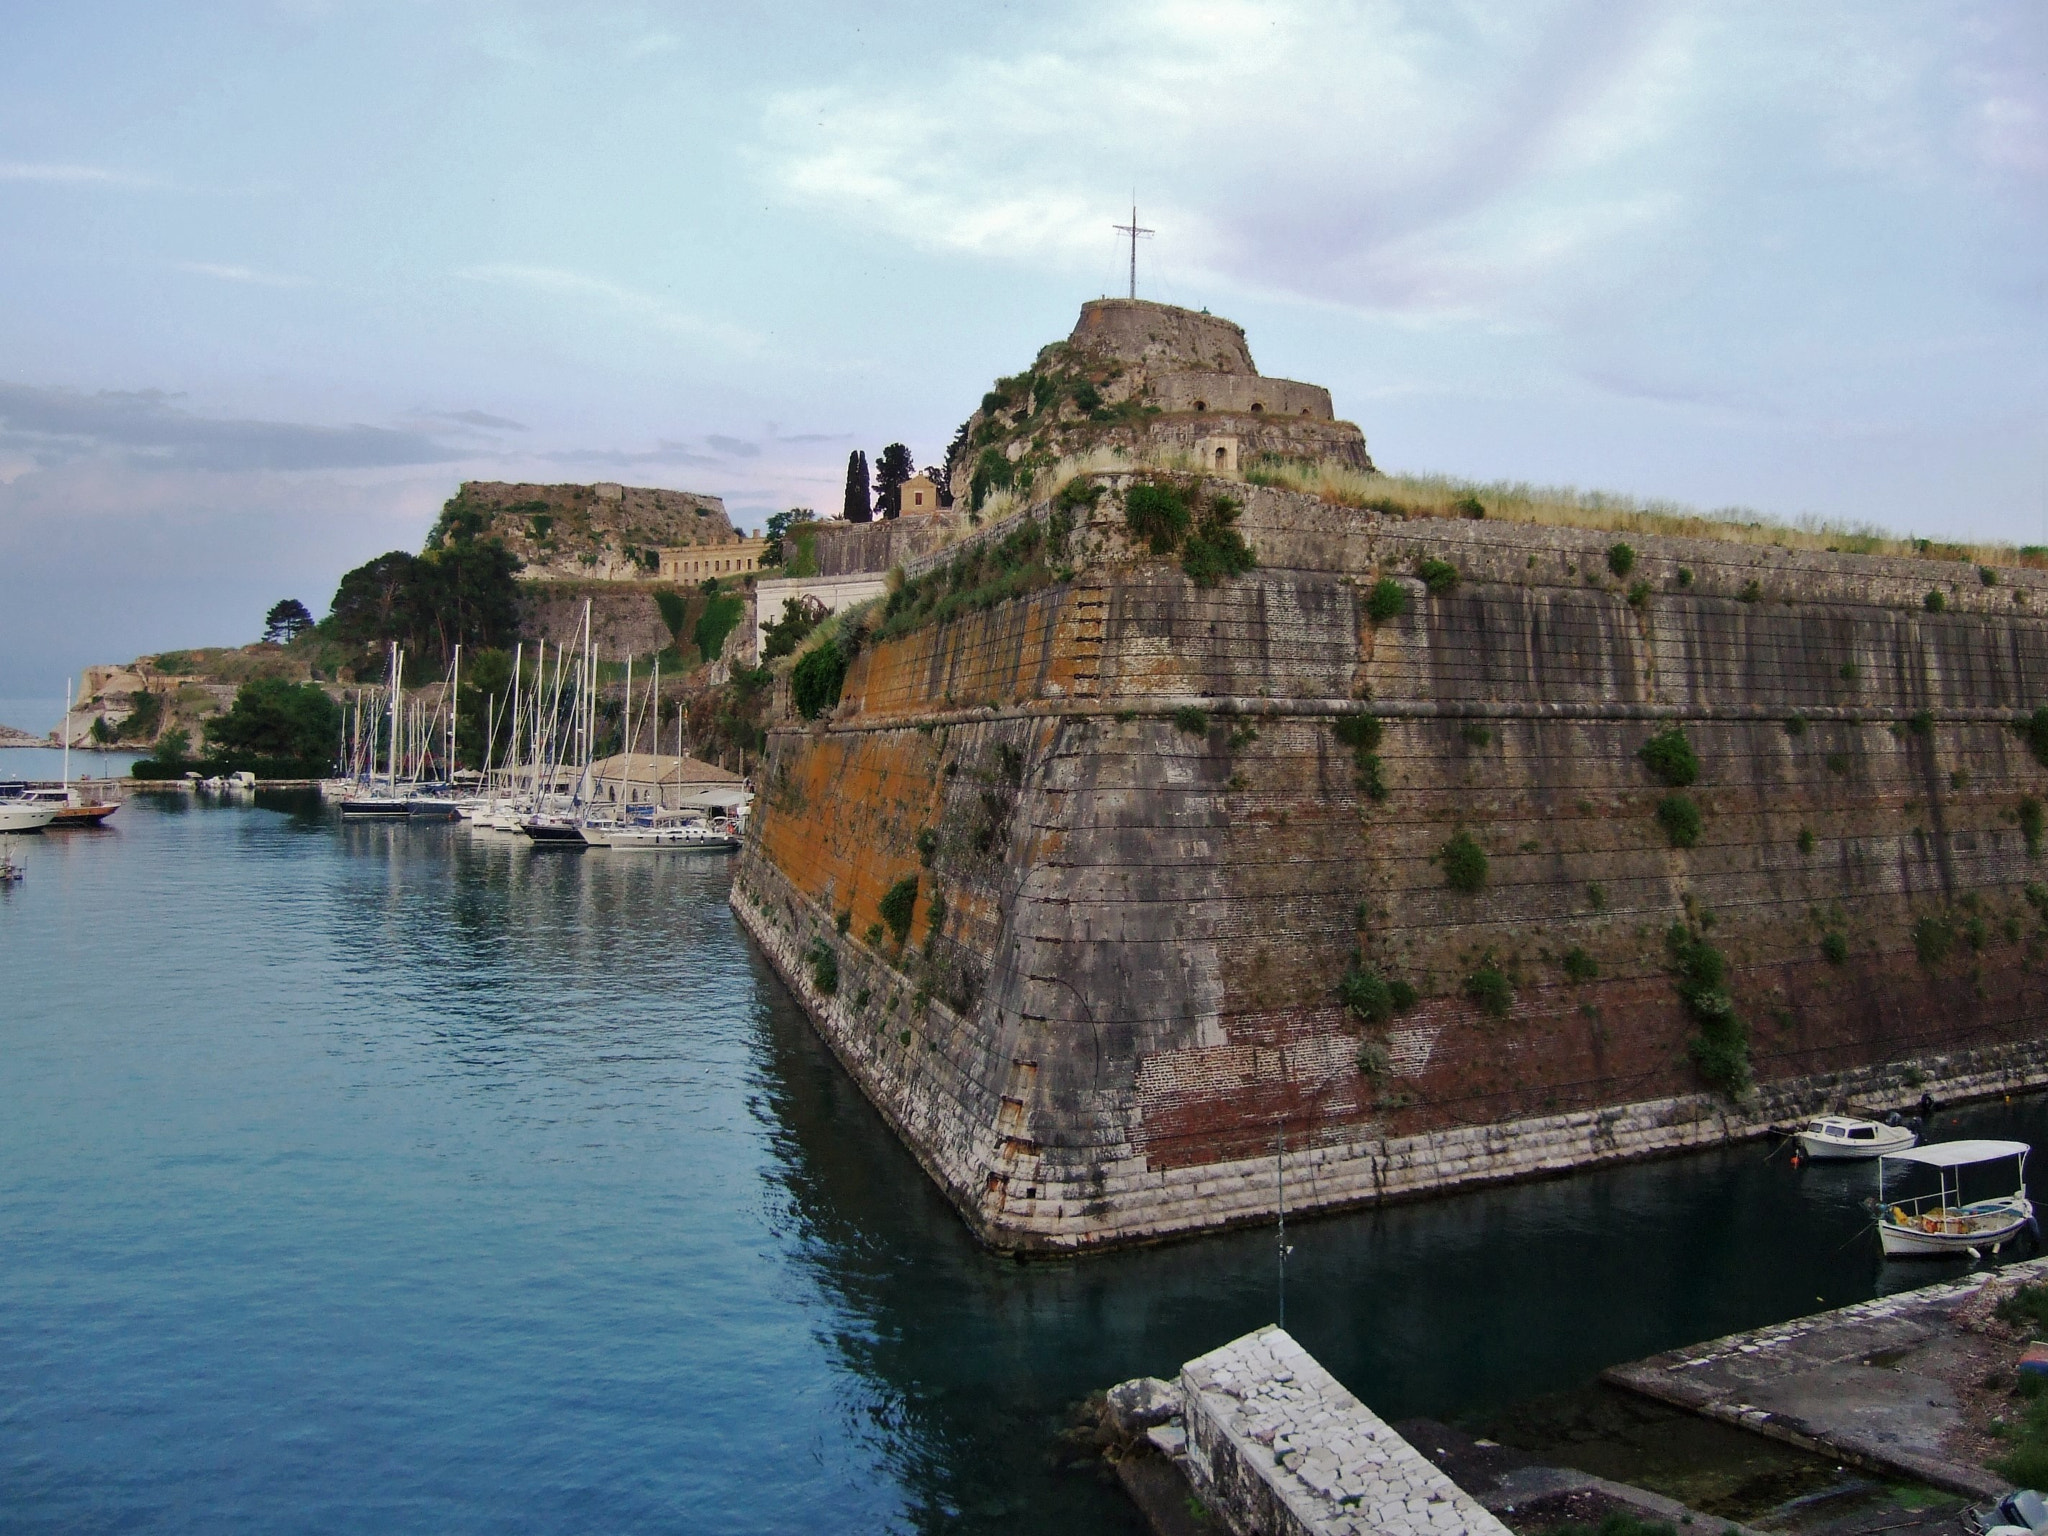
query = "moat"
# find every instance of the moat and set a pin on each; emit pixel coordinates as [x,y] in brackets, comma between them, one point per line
[393,1178]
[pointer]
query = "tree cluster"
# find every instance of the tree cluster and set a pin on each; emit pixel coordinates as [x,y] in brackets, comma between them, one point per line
[461,594]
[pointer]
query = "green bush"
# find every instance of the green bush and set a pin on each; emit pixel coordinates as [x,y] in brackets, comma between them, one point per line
[1620,559]
[1464,862]
[1934,602]
[1987,575]
[843,921]
[1639,595]
[674,609]
[1158,514]
[1193,721]
[276,729]
[1684,576]
[1670,758]
[824,968]
[1806,841]
[1933,938]
[1079,492]
[1374,1060]
[1490,989]
[1752,592]
[1921,722]
[898,904]
[1404,995]
[1680,819]
[1470,506]
[935,914]
[1580,966]
[1388,599]
[721,616]
[2033,730]
[1359,732]
[1215,550]
[1366,993]
[927,846]
[1795,726]
[2030,824]
[1440,576]
[1834,948]
[1475,735]
[815,680]
[1720,1051]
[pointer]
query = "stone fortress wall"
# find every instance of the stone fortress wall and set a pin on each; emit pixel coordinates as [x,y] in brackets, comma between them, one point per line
[1130,982]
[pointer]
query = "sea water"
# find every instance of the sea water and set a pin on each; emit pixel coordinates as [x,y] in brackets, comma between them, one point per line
[373,1177]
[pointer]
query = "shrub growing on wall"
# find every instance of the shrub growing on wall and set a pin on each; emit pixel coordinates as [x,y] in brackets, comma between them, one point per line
[2033,731]
[1670,758]
[1192,720]
[1440,576]
[815,681]
[1464,862]
[1490,989]
[1388,599]
[824,968]
[1580,966]
[1720,1051]
[2030,824]
[1621,559]
[1834,948]
[1215,549]
[899,905]
[1361,733]
[1158,514]
[1680,819]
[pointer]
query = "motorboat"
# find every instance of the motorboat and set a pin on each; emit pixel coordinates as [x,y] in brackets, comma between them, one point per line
[677,837]
[1943,1224]
[72,809]
[1842,1137]
[21,816]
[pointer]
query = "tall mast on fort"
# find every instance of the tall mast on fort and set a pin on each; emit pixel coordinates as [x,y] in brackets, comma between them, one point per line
[1134,230]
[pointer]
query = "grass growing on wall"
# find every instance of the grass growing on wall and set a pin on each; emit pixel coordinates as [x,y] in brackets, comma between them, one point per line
[1720,1049]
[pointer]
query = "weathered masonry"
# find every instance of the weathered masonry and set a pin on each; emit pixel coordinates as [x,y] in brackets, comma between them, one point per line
[1149,849]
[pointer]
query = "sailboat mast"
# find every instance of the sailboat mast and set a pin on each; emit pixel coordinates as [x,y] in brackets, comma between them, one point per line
[454,697]
[67,737]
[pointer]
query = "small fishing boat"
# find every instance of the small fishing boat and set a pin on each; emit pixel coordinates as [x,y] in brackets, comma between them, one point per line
[1942,1224]
[1840,1136]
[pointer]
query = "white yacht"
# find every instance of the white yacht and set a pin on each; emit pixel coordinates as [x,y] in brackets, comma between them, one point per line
[1841,1137]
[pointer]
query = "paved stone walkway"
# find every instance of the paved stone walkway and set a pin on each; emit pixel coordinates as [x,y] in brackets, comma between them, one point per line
[1864,1382]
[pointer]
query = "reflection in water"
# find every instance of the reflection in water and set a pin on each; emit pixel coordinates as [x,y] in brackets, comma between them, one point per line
[396,1177]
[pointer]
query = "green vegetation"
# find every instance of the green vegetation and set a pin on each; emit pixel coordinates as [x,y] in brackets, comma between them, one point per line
[286,621]
[1215,550]
[843,921]
[170,759]
[1720,1051]
[1933,937]
[1850,671]
[1679,816]
[1158,513]
[1489,988]
[462,593]
[817,677]
[675,613]
[1475,735]
[898,904]
[1023,560]
[1795,726]
[1670,758]
[1806,841]
[1440,576]
[1464,862]
[1580,966]
[1387,599]
[1191,720]
[1639,595]
[276,730]
[824,967]
[1470,506]
[145,714]
[927,846]
[1752,592]
[1371,995]
[1987,575]
[782,636]
[720,617]
[1834,947]
[1621,559]
[1361,733]
[1685,576]
[2033,731]
[1838,763]
[935,914]
[1934,602]
[2030,824]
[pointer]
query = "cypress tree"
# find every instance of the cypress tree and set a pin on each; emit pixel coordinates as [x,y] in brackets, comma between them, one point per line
[857,508]
[891,470]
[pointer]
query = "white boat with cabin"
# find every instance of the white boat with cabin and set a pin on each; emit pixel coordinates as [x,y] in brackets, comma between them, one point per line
[1943,1224]
[1843,1137]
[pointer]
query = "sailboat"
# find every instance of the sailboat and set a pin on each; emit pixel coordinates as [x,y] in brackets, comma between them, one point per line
[368,798]
[67,807]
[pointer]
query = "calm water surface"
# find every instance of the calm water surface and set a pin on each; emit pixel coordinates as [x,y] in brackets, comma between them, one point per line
[379,1178]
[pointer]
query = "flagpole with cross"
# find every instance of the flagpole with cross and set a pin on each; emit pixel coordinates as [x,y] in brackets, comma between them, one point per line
[1134,230]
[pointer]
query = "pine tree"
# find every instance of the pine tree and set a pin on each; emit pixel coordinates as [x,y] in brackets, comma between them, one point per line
[892,468]
[858,509]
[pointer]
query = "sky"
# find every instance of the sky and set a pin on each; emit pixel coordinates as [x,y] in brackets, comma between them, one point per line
[276,278]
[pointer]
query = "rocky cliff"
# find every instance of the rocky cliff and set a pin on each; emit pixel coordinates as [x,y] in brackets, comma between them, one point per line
[1365,847]
[583,532]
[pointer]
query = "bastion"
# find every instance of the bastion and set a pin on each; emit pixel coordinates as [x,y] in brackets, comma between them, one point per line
[1201,867]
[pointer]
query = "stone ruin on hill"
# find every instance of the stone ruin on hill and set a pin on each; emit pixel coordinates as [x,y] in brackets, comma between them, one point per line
[1146,377]
[601,532]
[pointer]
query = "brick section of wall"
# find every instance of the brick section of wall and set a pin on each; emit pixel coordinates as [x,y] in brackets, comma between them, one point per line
[1135,981]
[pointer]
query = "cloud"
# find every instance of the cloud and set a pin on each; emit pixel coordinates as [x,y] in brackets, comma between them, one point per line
[72,175]
[143,426]
[735,446]
[233,274]
[480,419]
[630,303]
